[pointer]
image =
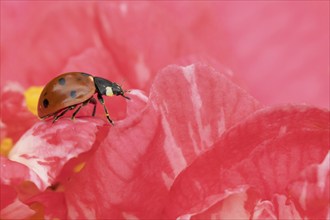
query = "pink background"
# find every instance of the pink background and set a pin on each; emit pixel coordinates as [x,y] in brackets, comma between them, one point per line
[277,51]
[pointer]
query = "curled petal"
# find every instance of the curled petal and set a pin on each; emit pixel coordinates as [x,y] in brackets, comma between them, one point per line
[47,147]
[266,152]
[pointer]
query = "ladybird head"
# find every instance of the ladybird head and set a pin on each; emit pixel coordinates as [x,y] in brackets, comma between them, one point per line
[105,87]
[117,90]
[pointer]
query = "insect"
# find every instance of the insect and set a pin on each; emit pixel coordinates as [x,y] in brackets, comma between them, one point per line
[69,90]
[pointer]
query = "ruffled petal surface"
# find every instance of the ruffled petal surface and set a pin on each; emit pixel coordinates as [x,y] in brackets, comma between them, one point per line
[271,152]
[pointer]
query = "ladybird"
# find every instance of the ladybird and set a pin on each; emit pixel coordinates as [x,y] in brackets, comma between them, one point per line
[69,90]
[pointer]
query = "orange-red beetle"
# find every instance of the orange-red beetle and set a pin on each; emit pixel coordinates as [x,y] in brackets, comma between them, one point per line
[69,90]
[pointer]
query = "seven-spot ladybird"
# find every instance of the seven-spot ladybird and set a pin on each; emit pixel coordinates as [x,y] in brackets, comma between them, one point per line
[69,90]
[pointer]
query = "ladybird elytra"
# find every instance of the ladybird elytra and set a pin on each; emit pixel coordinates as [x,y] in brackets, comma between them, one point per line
[65,92]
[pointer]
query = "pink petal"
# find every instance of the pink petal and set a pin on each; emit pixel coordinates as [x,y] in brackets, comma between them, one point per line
[47,147]
[189,108]
[229,206]
[53,204]
[264,210]
[7,196]
[16,210]
[265,152]
[15,117]
[312,190]
[13,173]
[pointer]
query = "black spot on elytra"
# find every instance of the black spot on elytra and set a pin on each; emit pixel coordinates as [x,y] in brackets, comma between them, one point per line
[73,94]
[61,81]
[45,103]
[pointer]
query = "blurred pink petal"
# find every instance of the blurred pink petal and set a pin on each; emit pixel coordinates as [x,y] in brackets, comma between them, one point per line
[15,117]
[278,50]
[52,33]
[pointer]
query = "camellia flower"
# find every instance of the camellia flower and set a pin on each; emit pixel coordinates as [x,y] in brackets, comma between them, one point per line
[190,144]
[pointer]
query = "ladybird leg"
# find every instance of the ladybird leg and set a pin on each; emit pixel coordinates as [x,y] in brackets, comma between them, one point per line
[93,101]
[56,117]
[83,104]
[74,114]
[100,98]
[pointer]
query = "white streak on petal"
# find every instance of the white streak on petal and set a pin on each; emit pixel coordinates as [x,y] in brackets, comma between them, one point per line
[26,146]
[139,94]
[221,123]
[129,216]
[184,217]
[172,150]
[204,131]
[192,136]
[34,152]
[189,73]
[87,212]
[36,180]
[302,198]
[233,203]
[263,207]
[323,172]
[168,181]
[16,210]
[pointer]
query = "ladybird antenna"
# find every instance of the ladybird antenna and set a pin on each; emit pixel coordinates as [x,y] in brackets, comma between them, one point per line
[123,95]
[126,97]
[122,82]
